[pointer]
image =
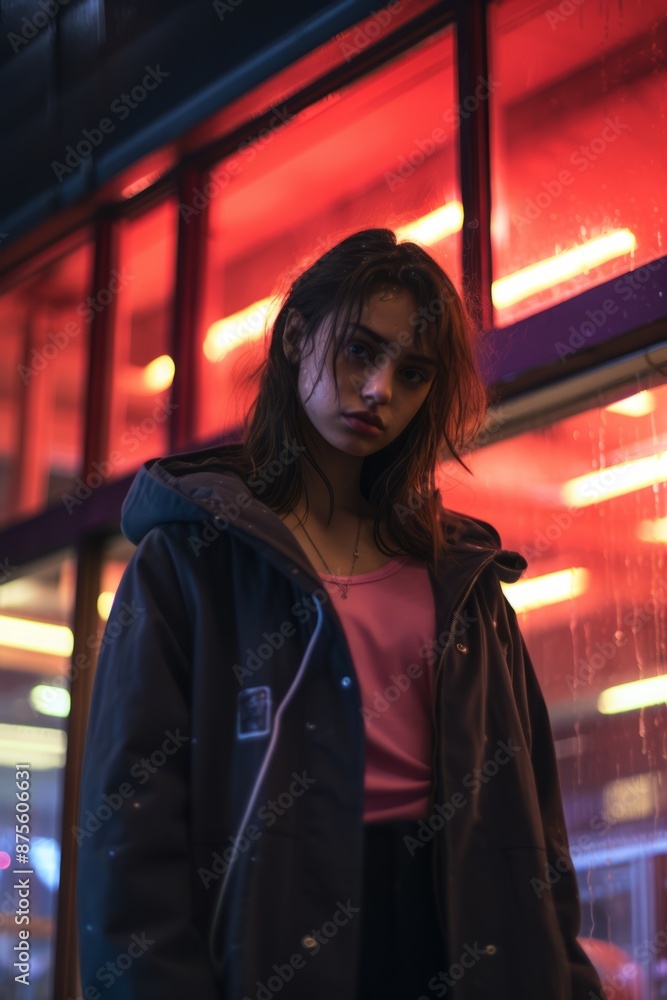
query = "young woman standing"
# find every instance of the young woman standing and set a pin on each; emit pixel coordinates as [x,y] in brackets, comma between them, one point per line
[360,796]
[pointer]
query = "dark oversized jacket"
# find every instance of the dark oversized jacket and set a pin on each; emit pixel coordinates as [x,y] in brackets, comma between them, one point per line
[221,815]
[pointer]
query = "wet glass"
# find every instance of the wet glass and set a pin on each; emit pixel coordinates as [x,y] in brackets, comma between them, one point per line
[36,612]
[44,344]
[578,140]
[584,500]
[299,185]
[140,295]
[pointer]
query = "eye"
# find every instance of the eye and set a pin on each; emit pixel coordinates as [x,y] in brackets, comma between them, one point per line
[422,377]
[355,343]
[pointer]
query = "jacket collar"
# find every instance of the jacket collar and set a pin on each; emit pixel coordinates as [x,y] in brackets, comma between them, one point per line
[202,485]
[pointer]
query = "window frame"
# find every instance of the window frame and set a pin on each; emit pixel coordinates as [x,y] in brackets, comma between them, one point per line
[52,530]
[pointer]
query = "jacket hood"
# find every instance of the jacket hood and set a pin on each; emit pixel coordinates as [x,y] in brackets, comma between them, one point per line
[203,485]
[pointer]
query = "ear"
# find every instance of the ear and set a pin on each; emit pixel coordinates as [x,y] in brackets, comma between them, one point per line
[293,336]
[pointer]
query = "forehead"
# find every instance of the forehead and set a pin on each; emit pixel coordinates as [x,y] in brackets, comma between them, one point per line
[386,315]
[389,310]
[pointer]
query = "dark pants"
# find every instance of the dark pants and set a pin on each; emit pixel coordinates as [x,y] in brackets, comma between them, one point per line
[401,940]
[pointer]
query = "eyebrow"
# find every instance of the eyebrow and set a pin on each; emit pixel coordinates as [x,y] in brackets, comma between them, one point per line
[382,340]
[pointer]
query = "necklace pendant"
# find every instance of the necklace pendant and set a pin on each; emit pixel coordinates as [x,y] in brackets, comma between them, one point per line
[344,596]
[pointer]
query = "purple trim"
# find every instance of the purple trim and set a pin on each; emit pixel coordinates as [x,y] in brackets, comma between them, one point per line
[551,344]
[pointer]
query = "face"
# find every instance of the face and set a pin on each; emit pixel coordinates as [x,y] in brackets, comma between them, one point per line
[375,374]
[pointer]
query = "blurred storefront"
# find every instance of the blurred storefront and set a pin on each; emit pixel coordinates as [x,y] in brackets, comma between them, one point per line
[526,147]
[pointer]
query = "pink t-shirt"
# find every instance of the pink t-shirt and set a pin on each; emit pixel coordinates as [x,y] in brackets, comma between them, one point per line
[387,616]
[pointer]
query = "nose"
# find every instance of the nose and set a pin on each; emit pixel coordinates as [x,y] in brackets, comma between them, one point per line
[377,387]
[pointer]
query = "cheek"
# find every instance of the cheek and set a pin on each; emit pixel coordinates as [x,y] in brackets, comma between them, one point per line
[315,393]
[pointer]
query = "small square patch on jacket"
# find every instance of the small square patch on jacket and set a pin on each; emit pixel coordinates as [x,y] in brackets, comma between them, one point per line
[253,714]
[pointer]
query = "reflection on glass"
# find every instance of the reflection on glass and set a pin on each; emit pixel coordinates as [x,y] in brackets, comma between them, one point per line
[143,370]
[578,132]
[44,327]
[585,502]
[35,673]
[300,186]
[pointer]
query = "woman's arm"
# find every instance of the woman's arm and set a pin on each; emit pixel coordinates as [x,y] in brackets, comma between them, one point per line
[137,937]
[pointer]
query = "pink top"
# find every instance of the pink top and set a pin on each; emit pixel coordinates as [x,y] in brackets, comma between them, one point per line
[387,617]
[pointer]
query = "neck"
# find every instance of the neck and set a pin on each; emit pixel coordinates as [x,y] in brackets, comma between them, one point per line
[344,474]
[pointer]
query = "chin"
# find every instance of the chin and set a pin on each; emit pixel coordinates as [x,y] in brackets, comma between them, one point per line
[357,448]
[350,443]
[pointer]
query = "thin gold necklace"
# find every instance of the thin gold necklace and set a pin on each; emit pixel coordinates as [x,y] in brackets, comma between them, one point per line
[343,590]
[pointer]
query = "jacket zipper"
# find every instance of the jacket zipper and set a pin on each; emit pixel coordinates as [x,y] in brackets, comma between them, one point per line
[434,763]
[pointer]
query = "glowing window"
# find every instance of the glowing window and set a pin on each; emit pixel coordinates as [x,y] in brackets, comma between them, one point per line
[584,500]
[44,331]
[380,153]
[140,295]
[578,137]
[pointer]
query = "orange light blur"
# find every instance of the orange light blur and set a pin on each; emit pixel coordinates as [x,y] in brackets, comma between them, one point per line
[551,271]
[251,322]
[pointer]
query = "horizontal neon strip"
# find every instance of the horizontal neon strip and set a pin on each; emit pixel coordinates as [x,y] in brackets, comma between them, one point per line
[545,273]
[614,481]
[636,694]
[552,588]
[40,637]
[252,321]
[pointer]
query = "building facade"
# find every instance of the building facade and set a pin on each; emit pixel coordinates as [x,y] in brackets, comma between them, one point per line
[168,169]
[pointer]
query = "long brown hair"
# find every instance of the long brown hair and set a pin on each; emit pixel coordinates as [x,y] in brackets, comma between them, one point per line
[398,480]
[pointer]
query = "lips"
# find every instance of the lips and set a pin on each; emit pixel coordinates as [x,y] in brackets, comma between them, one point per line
[366,416]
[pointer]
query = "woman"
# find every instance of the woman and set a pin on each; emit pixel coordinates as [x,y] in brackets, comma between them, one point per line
[318,762]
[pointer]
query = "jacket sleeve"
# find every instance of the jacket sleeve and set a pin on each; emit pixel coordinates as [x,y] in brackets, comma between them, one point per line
[585,982]
[137,938]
